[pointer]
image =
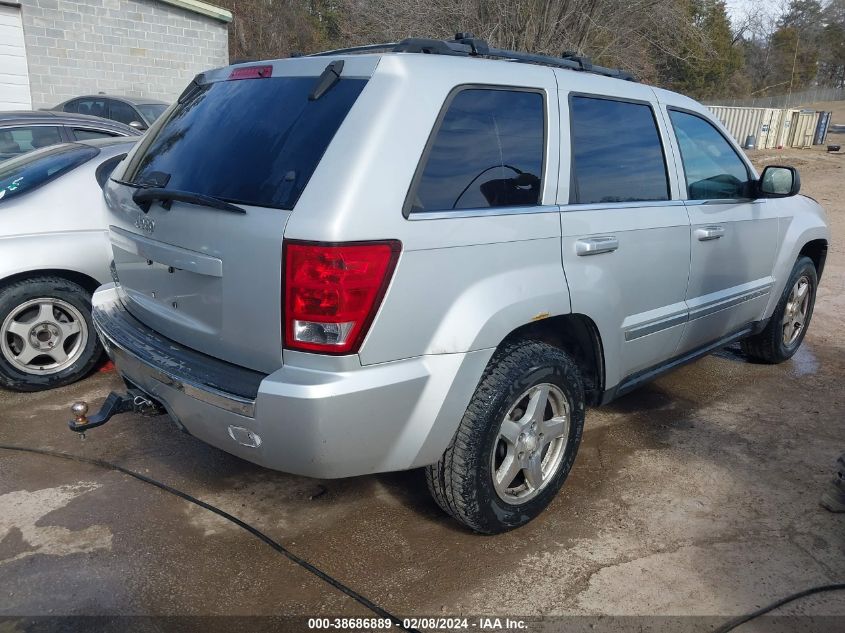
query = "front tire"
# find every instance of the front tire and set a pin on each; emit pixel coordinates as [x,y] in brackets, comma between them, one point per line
[47,337]
[517,440]
[786,329]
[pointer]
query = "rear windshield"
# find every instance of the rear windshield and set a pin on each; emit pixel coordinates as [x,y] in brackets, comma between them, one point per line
[19,175]
[253,141]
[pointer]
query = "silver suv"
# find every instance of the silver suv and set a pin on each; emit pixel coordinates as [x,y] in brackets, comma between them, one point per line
[436,254]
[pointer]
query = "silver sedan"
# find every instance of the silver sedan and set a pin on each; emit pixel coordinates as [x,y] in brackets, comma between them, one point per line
[54,254]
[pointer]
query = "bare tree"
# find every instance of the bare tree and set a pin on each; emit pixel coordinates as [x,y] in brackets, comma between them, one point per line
[634,35]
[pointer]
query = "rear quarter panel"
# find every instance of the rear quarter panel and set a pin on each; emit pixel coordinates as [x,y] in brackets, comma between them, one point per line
[462,283]
[60,226]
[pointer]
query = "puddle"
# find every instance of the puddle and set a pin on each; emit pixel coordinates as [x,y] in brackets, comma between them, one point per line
[804,362]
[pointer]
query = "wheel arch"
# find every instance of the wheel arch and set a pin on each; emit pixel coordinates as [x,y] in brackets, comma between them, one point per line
[578,335]
[816,250]
[86,281]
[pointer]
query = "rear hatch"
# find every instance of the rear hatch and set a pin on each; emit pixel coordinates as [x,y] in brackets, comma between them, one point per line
[198,212]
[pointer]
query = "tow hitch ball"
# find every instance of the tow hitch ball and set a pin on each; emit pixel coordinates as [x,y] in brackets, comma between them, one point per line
[133,400]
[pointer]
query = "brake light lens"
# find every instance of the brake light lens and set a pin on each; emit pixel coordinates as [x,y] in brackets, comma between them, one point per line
[251,72]
[333,291]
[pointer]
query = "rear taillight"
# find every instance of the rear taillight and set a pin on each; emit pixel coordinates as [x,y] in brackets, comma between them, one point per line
[332,292]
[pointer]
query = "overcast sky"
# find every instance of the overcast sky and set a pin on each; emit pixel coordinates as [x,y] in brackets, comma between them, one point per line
[738,9]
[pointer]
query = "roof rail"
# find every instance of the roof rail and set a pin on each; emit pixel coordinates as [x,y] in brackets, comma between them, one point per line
[465,45]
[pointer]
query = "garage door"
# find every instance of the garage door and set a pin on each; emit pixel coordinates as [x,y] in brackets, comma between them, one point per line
[14,76]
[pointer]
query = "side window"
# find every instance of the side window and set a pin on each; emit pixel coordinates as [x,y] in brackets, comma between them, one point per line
[487,152]
[25,139]
[713,169]
[93,107]
[123,112]
[617,155]
[71,106]
[81,134]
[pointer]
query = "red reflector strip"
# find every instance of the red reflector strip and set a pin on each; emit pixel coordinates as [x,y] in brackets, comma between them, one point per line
[252,72]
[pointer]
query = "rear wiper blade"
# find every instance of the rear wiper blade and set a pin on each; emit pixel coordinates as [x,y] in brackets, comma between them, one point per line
[145,197]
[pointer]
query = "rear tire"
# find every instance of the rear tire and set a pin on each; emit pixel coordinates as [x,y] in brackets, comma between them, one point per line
[47,337]
[517,440]
[782,336]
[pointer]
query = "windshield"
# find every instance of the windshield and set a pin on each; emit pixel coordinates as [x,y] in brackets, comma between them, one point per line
[151,111]
[253,141]
[19,175]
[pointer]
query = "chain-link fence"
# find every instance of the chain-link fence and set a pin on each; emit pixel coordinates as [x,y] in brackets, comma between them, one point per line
[793,100]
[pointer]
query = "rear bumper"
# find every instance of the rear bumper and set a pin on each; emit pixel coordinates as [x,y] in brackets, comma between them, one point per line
[377,418]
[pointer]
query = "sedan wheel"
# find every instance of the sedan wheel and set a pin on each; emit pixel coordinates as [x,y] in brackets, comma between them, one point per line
[43,336]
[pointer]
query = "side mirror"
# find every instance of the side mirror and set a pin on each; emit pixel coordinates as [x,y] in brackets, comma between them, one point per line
[138,125]
[779,182]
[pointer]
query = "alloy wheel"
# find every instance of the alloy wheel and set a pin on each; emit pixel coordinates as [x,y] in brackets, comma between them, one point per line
[797,308]
[531,444]
[43,336]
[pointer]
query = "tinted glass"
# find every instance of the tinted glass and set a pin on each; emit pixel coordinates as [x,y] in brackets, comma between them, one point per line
[71,106]
[488,152]
[713,169]
[94,107]
[253,141]
[25,173]
[151,111]
[616,152]
[85,135]
[123,112]
[19,140]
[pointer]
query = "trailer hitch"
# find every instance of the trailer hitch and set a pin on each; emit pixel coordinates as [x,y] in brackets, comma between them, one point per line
[134,400]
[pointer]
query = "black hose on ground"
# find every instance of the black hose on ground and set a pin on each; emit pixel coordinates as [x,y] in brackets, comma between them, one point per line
[369,604]
[281,549]
[732,624]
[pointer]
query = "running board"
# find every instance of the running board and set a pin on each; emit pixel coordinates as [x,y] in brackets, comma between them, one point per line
[640,378]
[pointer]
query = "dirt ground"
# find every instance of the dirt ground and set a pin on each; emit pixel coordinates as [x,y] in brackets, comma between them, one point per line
[696,495]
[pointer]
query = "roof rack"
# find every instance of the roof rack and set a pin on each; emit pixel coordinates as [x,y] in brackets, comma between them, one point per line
[465,45]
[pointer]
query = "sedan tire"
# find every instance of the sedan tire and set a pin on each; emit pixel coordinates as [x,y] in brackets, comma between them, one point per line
[47,338]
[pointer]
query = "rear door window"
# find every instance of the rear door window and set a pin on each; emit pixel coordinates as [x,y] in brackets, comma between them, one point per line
[19,140]
[94,107]
[252,141]
[617,155]
[714,171]
[486,153]
[123,112]
[82,134]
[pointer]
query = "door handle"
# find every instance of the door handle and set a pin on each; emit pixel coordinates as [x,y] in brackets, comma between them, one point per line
[596,245]
[706,233]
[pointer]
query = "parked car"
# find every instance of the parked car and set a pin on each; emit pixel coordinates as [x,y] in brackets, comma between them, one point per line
[55,253]
[136,112]
[24,131]
[439,260]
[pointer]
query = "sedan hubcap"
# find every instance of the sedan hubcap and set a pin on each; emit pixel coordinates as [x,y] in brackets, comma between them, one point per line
[43,336]
[797,308]
[531,444]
